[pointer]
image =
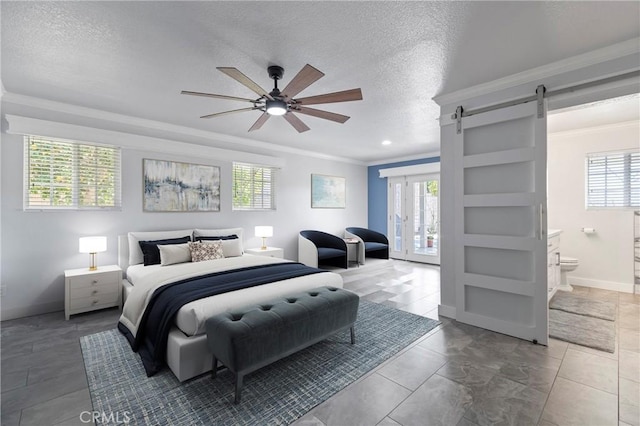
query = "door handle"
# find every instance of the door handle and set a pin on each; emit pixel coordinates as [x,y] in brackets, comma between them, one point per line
[541,222]
[557,258]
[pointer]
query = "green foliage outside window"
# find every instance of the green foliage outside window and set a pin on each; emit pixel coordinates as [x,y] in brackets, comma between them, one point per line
[71,175]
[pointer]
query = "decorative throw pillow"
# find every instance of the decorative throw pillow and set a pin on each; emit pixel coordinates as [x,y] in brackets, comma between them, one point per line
[171,254]
[151,253]
[201,252]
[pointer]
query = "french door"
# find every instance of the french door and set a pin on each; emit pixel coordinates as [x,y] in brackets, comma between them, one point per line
[414,218]
[500,222]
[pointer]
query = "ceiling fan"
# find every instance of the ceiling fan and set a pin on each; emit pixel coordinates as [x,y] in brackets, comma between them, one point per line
[283,102]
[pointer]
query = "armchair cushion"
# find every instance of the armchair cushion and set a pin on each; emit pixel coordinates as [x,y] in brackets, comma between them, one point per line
[375,246]
[328,253]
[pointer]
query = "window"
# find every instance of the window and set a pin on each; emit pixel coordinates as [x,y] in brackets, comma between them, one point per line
[613,180]
[70,175]
[253,187]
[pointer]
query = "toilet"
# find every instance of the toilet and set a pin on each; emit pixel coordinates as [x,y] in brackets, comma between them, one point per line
[567,264]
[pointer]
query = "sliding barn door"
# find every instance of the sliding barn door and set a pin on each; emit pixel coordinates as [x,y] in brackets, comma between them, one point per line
[500,238]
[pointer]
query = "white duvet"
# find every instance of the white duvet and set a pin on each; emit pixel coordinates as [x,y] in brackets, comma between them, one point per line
[192,316]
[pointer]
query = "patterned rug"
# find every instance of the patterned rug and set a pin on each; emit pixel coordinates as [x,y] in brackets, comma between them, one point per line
[277,394]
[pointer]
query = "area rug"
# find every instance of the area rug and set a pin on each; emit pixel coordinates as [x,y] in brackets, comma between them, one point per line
[277,394]
[582,330]
[576,304]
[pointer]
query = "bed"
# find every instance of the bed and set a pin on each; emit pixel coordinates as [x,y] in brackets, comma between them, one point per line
[186,349]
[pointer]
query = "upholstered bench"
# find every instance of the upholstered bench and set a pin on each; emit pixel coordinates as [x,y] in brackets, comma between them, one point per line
[248,339]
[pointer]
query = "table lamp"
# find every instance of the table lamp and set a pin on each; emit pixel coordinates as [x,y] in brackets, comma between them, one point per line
[264,232]
[92,245]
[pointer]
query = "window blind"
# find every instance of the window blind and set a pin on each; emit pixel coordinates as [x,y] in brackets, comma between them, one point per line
[613,180]
[253,187]
[71,175]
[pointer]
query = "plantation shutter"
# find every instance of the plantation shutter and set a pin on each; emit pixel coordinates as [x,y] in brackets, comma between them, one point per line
[613,180]
[71,175]
[253,187]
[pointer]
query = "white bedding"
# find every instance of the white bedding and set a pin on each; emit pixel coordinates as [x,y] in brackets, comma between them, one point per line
[192,316]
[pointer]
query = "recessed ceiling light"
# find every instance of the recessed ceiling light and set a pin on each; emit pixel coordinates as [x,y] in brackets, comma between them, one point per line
[387,142]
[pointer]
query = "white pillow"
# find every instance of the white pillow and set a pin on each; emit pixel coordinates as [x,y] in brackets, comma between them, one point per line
[135,252]
[201,252]
[220,233]
[230,248]
[171,254]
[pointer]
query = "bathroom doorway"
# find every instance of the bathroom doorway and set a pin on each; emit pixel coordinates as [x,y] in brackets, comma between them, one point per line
[593,186]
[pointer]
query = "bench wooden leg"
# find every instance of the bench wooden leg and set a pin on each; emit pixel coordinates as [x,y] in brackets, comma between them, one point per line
[353,336]
[238,388]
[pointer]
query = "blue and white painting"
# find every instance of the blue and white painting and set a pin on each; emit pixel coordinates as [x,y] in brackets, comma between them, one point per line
[328,192]
[180,187]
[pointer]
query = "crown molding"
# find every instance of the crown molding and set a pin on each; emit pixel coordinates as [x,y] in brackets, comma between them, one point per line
[573,63]
[20,125]
[121,119]
[426,155]
[593,129]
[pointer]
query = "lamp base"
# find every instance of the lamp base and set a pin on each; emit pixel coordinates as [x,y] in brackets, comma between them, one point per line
[264,243]
[92,262]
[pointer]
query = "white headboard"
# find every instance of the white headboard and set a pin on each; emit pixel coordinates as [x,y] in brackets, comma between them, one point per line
[123,252]
[129,241]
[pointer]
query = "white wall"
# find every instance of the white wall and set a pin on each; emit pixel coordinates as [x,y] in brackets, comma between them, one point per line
[38,246]
[606,258]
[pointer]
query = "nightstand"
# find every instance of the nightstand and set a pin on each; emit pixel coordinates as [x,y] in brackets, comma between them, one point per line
[269,251]
[86,290]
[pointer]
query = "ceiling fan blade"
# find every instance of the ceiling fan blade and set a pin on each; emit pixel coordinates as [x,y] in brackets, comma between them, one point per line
[212,95]
[243,79]
[344,96]
[305,78]
[296,122]
[217,114]
[322,114]
[260,121]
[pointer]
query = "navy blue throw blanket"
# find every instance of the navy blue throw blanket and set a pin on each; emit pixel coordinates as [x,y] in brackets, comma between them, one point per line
[158,318]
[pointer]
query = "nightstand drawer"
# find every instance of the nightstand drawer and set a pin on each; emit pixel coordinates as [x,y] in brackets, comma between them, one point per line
[88,290]
[94,280]
[94,291]
[94,301]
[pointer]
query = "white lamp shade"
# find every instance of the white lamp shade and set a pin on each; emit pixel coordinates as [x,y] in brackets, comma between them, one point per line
[264,231]
[92,244]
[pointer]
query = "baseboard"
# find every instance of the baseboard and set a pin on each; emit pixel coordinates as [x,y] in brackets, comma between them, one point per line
[447,311]
[28,311]
[605,285]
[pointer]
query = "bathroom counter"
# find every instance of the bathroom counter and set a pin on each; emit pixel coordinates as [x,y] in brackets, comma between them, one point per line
[553,232]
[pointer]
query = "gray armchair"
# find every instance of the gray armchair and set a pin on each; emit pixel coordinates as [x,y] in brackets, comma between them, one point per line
[376,245]
[317,247]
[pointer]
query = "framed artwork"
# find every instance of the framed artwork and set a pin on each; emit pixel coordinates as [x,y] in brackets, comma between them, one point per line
[180,187]
[328,192]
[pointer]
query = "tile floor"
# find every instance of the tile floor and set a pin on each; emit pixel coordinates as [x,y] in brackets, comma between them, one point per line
[455,375]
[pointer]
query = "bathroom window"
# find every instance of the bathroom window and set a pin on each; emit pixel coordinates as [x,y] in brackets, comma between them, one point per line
[613,180]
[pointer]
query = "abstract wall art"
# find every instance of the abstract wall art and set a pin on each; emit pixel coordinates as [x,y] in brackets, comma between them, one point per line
[170,186]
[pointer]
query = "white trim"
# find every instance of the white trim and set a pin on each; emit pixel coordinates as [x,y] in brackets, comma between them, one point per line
[573,63]
[32,126]
[416,169]
[594,129]
[423,156]
[605,285]
[447,311]
[120,119]
[31,310]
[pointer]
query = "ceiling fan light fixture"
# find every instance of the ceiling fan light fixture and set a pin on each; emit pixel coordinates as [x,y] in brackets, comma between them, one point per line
[276,107]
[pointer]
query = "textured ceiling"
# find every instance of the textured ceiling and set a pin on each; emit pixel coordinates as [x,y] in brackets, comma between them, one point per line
[134,58]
